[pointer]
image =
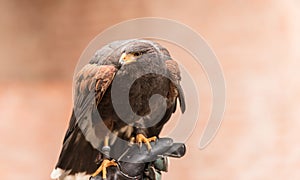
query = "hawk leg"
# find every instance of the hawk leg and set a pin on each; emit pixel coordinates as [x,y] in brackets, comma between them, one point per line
[106,162]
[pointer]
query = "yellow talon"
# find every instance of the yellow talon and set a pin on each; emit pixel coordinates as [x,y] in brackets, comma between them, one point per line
[140,138]
[105,163]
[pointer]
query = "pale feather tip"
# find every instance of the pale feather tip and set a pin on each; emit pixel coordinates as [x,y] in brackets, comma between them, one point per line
[56,173]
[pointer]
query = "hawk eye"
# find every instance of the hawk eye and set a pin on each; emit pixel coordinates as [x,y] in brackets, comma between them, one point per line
[137,53]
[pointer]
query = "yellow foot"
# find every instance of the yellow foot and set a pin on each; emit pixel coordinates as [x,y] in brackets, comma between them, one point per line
[140,138]
[105,163]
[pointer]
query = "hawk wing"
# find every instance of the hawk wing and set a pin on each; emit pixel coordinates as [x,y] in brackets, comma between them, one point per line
[80,144]
[91,84]
[175,87]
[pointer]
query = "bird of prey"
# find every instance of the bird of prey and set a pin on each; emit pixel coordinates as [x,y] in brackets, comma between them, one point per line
[115,96]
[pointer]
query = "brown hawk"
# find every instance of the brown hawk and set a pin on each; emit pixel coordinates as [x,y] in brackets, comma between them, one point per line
[128,91]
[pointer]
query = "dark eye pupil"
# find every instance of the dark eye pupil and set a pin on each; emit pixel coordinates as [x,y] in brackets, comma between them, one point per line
[137,54]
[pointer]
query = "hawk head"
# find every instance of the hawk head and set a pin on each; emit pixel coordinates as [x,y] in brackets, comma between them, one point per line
[143,51]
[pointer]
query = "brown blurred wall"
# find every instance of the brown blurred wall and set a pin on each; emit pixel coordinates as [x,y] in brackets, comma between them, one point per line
[257,43]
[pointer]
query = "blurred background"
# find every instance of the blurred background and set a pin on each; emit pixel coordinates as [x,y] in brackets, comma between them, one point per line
[257,43]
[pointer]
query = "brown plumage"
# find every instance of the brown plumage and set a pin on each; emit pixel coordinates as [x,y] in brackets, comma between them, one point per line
[134,70]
